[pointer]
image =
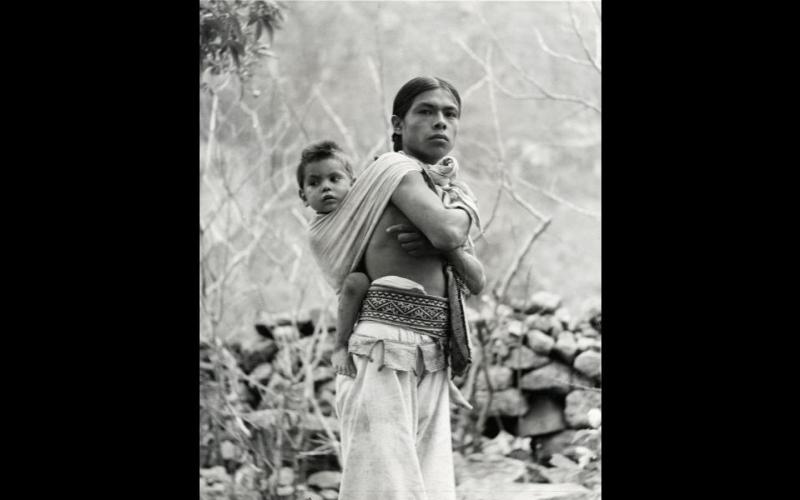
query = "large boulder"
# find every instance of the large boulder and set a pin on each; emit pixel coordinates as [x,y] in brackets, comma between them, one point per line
[538,322]
[578,404]
[509,402]
[545,416]
[552,444]
[524,358]
[500,377]
[543,302]
[566,348]
[588,363]
[326,479]
[554,377]
[540,342]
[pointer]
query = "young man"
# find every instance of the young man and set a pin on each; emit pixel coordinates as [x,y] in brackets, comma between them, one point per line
[395,413]
[324,177]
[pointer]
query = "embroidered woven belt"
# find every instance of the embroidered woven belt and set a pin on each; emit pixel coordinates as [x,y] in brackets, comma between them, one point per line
[422,313]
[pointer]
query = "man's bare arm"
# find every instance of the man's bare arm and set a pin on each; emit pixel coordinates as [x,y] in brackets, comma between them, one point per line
[446,228]
[463,261]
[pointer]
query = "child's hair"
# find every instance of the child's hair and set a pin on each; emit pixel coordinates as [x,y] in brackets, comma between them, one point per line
[414,87]
[321,151]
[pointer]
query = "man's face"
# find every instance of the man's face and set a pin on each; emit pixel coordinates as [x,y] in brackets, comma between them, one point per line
[325,183]
[430,126]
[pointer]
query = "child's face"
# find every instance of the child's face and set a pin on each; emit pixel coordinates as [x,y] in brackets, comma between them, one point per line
[325,184]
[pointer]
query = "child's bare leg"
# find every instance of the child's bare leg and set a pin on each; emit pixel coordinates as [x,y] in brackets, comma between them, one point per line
[353,291]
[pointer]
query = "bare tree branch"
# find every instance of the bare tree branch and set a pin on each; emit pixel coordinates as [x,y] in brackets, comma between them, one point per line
[378,81]
[577,30]
[337,121]
[240,256]
[472,88]
[554,197]
[527,206]
[212,128]
[556,54]
[595,6]
[494,207]
[379,144]
[546,94]
[226,185]
[502,288]
[501,150]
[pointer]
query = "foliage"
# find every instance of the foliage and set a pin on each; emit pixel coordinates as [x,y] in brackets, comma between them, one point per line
[231,34]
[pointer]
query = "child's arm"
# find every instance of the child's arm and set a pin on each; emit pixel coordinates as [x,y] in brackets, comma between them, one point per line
[469,268]
[353,291]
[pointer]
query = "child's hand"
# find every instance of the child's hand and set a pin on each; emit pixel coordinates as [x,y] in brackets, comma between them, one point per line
[412,240]
[343,363]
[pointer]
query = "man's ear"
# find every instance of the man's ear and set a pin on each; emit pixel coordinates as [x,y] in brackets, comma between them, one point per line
[303,197]
[397,124]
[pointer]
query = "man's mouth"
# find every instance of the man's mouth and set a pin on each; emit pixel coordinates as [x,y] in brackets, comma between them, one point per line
[439,136]
[329,197]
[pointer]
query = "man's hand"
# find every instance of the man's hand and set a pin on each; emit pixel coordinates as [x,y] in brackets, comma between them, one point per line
[412,240]
[343,363]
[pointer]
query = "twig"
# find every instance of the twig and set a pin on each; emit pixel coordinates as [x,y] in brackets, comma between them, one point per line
[309,382]
[485,410]
[494,208]
[502,288]
[337,121]
[527,206]
[547,95]
[555,54]
[596,9]
[557,198]
[291,110]
[501,154]
[472,88]
[577,30]
[227,187]
[368,159]
[376,73]
[242,254]
[212,127]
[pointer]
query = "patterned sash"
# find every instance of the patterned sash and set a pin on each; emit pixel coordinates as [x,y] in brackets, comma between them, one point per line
[422,313]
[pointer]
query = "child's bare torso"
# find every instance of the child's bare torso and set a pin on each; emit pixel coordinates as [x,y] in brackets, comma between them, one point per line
[385,257]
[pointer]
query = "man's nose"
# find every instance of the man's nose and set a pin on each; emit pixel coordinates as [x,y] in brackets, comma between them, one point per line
[439,121]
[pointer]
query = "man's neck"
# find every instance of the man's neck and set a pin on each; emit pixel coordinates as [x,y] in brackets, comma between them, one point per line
[420,160]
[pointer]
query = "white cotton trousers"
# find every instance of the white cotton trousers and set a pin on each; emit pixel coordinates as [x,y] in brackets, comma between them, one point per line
[395,426]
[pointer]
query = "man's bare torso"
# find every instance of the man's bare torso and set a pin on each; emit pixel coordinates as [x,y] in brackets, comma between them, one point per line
[385,257]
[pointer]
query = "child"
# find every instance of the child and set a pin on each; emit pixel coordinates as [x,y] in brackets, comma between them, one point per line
[325,176]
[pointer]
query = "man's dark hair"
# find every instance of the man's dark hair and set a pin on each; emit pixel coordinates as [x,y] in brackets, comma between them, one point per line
[321,151]
[408,92]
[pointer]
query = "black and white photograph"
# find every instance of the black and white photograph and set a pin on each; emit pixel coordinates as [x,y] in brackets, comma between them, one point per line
[400,250]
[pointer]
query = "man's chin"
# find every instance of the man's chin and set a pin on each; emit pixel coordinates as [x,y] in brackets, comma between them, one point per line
[433,155]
